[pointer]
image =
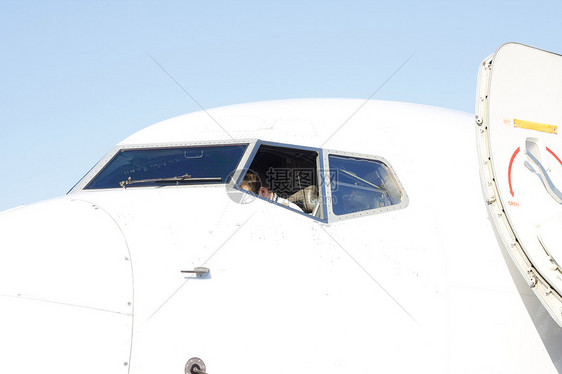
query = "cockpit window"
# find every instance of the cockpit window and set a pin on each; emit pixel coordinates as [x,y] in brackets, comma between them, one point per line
[165,166]
[286,176]
[359,184]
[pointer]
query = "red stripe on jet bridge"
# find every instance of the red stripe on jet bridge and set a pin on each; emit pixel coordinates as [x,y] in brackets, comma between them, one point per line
[552,153]
[509,170]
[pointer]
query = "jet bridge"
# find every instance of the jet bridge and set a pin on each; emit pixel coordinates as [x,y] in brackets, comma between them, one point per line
[518,120]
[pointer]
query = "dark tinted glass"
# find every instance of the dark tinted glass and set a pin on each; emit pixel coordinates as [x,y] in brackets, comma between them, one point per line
[360,184]
[198,162]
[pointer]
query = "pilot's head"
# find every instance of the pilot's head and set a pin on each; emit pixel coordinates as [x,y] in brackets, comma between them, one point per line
[251,182]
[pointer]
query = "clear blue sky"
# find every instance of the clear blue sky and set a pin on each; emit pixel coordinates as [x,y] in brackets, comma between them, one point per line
[76,77]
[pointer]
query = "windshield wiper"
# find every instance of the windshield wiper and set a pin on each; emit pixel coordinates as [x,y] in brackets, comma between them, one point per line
[183,178]
[353,175]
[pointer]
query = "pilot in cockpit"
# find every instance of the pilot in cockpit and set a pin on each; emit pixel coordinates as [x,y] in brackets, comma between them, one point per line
[252,183]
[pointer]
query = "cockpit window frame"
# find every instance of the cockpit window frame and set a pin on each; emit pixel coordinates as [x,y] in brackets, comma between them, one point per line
[319,169]
[85,181]
[252,147]
[332,217]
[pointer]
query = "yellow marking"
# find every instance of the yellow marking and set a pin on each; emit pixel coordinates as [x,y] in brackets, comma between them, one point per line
[535,126]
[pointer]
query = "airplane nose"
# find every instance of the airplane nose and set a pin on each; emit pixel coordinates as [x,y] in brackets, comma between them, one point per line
[66,290]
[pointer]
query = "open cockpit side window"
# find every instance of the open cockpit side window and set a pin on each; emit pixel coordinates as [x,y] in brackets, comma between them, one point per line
[286,176]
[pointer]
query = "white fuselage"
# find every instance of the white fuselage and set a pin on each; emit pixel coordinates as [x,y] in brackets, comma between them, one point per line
[92,282]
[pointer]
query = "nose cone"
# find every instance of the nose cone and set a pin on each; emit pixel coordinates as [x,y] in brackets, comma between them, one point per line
[66,291]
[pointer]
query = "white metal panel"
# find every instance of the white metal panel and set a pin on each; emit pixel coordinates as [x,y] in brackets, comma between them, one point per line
[49,337]
[281,295]
[65,251]
[523,112]
[66,290]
